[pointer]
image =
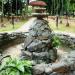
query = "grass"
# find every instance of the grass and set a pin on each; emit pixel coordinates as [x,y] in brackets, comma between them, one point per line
[9,26]
[62,27]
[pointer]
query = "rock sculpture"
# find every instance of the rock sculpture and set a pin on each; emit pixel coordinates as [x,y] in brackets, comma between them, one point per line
[38,44]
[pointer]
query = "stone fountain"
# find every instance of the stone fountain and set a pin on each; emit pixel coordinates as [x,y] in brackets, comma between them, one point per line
[38,47]
[38,44]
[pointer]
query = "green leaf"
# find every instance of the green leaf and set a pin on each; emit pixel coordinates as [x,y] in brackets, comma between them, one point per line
[13,66]
[21,68]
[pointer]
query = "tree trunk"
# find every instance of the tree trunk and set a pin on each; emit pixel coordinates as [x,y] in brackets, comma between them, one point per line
[57,21]
[67,24]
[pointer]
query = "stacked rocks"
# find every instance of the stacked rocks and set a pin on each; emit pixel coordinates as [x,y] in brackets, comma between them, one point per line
[65,66]
[38,44]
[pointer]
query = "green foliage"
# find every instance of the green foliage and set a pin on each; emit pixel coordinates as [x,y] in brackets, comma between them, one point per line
[53,6]
[15,67]
[60,6]
[29,10]
[56,41]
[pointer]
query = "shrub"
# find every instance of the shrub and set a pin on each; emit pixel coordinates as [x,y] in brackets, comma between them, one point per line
[56,41]
[15,67]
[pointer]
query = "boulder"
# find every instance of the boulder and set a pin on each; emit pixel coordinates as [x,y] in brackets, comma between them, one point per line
[62,67]
[39,42]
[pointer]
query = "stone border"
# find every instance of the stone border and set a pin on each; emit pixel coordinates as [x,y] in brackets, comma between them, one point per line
[65,66]
[67,39]
[6,38]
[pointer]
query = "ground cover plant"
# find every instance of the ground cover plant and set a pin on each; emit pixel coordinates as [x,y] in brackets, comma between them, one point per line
[56,42]
[15,67]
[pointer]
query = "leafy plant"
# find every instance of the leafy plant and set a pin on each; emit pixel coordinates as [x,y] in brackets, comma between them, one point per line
[56,41]
[15,67]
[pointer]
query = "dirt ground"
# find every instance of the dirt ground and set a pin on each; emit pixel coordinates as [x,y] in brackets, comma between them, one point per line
[14,50]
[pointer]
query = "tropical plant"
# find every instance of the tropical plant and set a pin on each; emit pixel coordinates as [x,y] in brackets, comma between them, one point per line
[15,67]
[60,6]
[56,41]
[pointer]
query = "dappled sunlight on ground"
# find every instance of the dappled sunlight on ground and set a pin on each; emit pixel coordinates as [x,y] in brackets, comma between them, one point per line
[7,25]
[62,27]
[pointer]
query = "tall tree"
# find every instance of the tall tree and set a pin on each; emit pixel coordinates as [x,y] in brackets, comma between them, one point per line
[16,5]
[60,6]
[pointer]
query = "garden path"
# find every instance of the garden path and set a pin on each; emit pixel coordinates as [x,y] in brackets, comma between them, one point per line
[26,26]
